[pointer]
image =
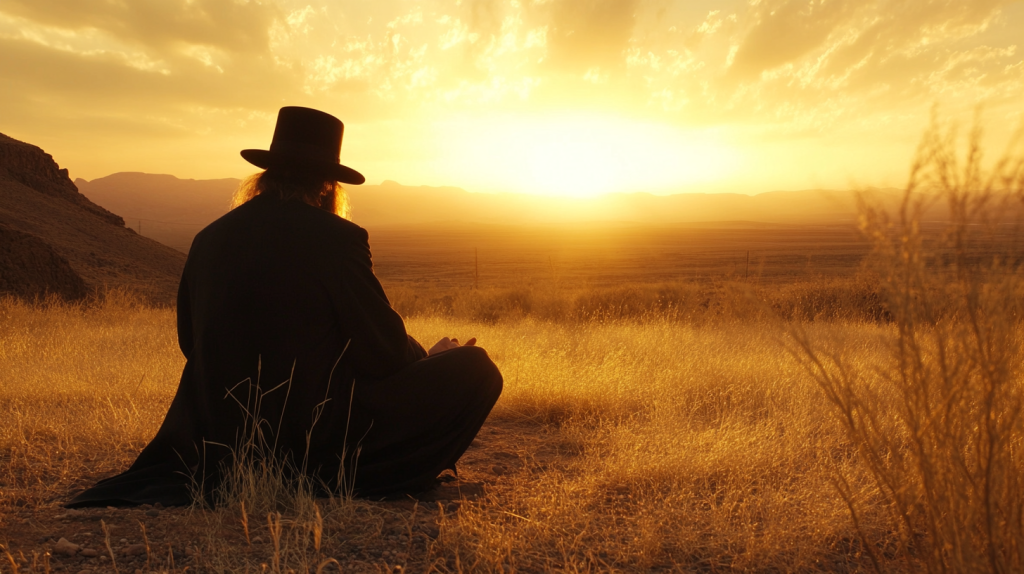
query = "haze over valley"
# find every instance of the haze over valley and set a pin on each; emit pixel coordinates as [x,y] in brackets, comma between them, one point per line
[172,210]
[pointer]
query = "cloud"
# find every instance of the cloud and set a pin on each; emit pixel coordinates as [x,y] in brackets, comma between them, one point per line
[184,68]
[228,25]
[591,33]
[784,31]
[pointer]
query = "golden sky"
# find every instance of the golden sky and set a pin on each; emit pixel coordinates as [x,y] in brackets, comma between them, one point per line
[573,97]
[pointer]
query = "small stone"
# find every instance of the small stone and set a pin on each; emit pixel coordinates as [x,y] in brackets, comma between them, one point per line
[135,550]
[153,513]
[104,558]
[111,508]
[85,572]
[189,552]
[124,541]
[257,540]
[66,547]
[90,553]
[498,470]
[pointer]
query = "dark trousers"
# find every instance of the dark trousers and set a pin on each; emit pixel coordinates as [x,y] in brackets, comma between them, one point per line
[409,427]
[403,431]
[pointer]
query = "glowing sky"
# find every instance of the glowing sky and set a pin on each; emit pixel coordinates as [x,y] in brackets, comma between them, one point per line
[572,97]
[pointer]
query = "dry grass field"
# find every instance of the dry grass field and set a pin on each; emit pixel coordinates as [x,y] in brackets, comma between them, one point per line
[628,444]
[870,421]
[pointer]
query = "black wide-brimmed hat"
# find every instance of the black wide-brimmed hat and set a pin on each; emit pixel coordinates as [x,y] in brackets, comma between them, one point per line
[306,141]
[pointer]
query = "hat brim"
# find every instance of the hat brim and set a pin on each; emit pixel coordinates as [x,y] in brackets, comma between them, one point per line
[267,159]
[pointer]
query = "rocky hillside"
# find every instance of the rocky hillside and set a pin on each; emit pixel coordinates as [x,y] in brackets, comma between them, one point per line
[54,240]
[30,269]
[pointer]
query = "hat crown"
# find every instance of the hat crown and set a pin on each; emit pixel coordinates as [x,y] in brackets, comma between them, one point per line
[308,131]
[306,142]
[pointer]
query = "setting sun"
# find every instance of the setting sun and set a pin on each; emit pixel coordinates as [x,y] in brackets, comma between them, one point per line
[580,155]
[544,97]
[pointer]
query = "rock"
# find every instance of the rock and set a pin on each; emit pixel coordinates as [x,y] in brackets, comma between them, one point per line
[90,553]
[66,547]
[257,540]
[498,470]
[30,268]
[153,513]
[135,550]
[31,167]
[158,506]
[85,572]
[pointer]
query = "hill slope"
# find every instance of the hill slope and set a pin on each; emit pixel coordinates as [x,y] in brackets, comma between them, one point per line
[37,198]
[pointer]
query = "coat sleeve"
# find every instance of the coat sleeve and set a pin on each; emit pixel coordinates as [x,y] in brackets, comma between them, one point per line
[379,345]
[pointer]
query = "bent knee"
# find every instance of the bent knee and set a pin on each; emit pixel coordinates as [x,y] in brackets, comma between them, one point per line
[484,371]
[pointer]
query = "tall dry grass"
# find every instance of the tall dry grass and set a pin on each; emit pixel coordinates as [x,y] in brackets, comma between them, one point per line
[82,388]
[936,418]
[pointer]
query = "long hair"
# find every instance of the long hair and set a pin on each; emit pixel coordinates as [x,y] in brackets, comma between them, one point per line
[328,195]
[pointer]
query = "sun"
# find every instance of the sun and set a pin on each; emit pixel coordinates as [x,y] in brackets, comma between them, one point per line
[579,155]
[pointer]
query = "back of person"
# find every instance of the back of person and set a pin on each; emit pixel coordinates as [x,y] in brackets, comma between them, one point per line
[261,304]
[292,347]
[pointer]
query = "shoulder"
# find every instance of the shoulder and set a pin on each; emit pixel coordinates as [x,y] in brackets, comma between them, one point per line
[283,223]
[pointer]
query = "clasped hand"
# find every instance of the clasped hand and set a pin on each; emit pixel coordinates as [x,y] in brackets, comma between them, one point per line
[446,344]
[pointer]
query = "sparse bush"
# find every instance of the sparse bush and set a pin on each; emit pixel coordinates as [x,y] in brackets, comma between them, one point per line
[938,422]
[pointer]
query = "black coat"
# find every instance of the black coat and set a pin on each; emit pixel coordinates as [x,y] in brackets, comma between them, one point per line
[274,292]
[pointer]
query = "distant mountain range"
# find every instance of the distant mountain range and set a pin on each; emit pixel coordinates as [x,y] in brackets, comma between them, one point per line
[172,210]
[53,240]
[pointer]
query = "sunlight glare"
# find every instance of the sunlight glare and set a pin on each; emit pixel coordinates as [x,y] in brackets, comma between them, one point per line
[586,156]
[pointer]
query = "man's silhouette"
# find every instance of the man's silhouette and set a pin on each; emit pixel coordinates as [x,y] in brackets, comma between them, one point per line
[292,346]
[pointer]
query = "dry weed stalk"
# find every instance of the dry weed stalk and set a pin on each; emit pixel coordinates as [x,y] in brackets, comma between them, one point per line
[939,424]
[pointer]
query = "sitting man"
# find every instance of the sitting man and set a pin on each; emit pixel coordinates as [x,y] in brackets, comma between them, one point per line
[294,351]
